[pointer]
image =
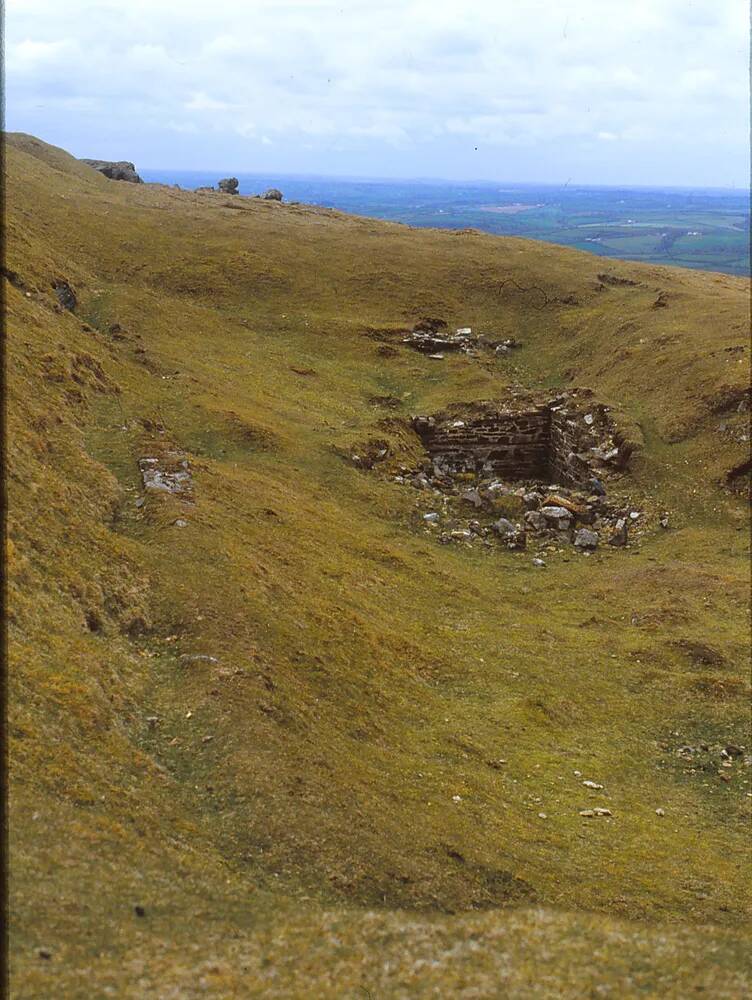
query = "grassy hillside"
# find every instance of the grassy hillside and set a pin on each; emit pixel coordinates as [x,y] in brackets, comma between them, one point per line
[267,738]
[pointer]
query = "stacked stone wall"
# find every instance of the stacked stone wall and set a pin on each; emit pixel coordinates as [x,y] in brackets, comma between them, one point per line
[567,442]
[508,444]
[546,441]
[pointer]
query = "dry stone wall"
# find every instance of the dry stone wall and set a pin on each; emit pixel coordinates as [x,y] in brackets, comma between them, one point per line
[555,441]
[514,445]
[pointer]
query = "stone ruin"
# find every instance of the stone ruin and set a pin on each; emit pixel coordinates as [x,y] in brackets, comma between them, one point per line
[543,463]
[558,440]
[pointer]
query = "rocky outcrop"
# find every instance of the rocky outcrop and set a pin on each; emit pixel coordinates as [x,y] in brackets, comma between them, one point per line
[228,185]
[272,194]
[120,170]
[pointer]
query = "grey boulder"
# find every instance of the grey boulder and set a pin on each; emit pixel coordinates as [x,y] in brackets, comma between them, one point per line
[120,170]
[504,528]
[586,539]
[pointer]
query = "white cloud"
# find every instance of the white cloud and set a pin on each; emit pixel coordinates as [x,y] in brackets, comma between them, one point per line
[401,86]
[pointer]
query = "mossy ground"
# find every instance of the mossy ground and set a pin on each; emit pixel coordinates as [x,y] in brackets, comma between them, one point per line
[322,807]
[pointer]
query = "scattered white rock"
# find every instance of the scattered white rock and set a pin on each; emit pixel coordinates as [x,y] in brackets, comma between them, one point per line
[539,562]
[456,798]
[155,476]
[592,784]
[660,812]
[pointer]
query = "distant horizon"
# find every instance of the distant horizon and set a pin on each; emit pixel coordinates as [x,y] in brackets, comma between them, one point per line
[435,180]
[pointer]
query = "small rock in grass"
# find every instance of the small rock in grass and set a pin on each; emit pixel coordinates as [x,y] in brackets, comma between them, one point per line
[139,911]
[619,537]
[542,816]
[660,812]
[44,953]
[473,497]
[431,517]
[586,539]
[538,562]
[592,784]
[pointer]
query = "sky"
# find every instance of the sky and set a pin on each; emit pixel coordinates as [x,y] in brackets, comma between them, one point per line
[634,92]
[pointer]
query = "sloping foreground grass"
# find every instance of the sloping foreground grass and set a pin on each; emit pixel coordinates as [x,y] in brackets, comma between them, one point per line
[317,751]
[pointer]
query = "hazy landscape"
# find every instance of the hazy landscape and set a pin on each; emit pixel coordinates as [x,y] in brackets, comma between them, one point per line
[688,228]
[300,706]
[378,466]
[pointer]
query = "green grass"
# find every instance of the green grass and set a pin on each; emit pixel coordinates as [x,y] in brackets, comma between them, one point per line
[290,824]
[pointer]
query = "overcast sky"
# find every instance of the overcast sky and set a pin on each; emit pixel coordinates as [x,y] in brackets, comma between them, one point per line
[592,91]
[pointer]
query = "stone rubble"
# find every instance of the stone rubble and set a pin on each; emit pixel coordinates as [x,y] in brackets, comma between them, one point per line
[431,336]
[167,474]
[526,472]
[519,515]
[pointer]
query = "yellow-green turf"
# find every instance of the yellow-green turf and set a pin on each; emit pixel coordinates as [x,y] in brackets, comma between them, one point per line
[346,800]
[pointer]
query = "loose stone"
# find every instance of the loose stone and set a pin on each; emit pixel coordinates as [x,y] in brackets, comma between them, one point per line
[586,539]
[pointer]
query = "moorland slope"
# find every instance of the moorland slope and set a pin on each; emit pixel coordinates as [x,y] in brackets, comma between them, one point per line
[267,737]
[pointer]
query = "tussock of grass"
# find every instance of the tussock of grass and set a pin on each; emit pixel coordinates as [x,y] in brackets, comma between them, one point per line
[354,730]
